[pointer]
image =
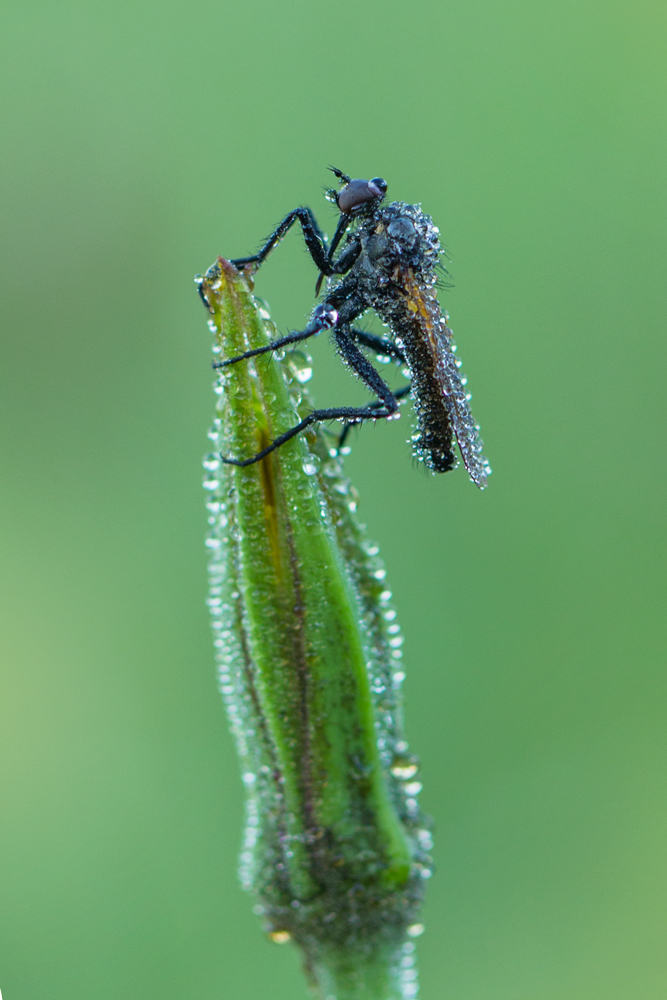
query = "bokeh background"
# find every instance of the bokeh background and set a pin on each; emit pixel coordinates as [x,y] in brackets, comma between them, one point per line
[139,140]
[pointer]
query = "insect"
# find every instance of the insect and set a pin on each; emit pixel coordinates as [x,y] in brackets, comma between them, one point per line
[387,264]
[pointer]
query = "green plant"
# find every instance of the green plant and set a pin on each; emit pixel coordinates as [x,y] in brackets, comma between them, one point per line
[310,668]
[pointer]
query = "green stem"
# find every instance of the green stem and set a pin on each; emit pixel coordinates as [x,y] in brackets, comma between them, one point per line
[382,975]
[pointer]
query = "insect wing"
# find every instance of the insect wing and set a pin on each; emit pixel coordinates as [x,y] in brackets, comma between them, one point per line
[456,399]
[423,304]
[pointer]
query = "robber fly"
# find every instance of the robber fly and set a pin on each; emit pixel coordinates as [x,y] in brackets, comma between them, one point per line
[388,264]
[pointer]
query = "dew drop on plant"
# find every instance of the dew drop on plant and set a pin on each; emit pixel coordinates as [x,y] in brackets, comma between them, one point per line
[311,465]
[280,937]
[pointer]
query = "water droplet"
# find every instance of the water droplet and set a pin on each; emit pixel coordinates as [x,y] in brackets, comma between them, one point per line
[404,767]
[425,839]
[311,465]
[415,930]
[280,937]
[249,778]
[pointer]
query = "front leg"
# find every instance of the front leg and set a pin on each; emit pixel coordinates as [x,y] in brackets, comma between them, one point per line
[323,318]
[311,233]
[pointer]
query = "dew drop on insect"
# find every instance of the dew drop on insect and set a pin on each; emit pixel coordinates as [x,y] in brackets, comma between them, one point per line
[414,930]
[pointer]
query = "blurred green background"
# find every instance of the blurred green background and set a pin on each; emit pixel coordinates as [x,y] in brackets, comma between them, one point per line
[141,139]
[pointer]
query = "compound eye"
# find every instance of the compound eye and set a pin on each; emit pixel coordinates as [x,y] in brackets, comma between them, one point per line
[378,186]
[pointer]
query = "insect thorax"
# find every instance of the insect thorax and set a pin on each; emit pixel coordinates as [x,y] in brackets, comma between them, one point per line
[402,234]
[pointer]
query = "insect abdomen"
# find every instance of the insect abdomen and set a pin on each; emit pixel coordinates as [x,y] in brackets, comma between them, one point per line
[434,442]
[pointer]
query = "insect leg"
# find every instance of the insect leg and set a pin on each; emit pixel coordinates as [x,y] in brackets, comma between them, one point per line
[324,317]
[343,223]
[378,344]
[385,405]
[400,394]
[311,233]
